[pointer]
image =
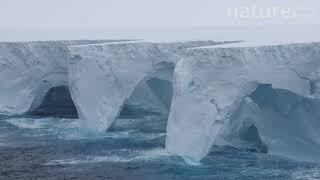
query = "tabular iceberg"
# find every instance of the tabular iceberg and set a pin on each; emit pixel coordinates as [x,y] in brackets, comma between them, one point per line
[211,84]
[263,99]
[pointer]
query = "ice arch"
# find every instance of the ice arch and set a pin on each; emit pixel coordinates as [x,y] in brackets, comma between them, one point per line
[211,84]
[147,108]
[102,77]
[29,69]
[153,93]
[288,123]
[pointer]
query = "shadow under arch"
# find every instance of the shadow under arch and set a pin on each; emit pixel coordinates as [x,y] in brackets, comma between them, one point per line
[147,108]
[289,123]
[57,102]
[277,121]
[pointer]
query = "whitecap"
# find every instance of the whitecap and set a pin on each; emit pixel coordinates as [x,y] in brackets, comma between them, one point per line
[126,157]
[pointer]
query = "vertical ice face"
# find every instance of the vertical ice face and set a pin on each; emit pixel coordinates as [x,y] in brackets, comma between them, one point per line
[103,77]
[28,70]
[211,84]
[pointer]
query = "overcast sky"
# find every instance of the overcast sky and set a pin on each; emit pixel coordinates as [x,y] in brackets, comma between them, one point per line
[46,15]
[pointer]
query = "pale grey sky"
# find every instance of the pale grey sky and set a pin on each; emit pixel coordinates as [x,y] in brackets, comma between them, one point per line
[17,16]
[136,13]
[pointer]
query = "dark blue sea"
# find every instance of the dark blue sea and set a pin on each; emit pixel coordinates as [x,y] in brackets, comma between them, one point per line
[55,148]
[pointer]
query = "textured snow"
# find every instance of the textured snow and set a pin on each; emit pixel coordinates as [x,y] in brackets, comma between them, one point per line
[210,85]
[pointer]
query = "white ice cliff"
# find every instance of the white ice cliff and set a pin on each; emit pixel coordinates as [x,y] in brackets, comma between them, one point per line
[211,84]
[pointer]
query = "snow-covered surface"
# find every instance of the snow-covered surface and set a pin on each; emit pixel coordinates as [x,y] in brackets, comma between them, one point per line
[210,84]
[105,43]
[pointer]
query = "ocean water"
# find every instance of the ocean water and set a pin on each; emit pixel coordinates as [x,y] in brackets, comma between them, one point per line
[55,148]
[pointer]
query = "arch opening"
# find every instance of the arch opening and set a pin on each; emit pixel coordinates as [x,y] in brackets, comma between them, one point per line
[277,121]
[57,102]
[147,109]
[289,123]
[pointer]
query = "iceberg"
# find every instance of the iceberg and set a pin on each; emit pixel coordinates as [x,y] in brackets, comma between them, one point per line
[261,98]
[213,85]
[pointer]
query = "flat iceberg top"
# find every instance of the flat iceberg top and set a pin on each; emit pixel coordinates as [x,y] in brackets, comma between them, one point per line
[64,42]
[233,52]
[240,44]
[173,44]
